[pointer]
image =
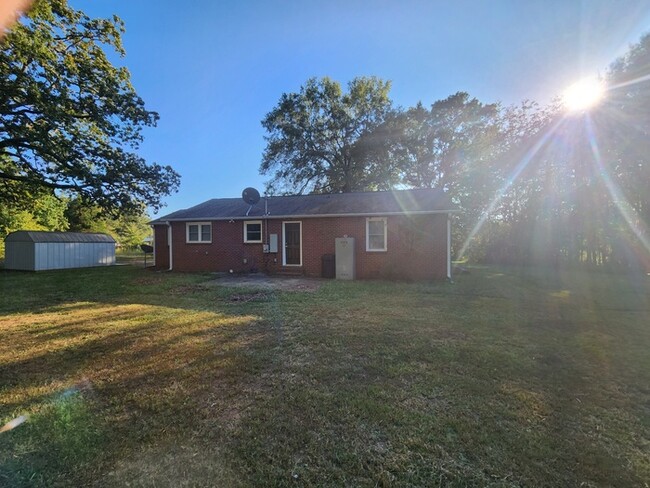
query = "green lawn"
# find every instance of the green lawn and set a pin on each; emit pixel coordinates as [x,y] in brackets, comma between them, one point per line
[508,377]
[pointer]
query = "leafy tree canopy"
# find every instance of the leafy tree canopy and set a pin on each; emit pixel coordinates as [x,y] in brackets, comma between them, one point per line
[69,119]
[128,228]
[622,125]
[41,212]
[324,140]
[444,144]
[49,212]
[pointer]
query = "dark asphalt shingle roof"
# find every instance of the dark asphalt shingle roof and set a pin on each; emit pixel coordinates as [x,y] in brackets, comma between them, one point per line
[366,203]
[44,236]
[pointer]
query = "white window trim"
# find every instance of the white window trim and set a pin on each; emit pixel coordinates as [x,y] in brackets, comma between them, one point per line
[187,232]
[246,223]
[284,240]
[376,219]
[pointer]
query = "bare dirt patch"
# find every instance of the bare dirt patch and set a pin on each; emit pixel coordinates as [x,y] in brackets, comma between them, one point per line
[264,282]
[149,280]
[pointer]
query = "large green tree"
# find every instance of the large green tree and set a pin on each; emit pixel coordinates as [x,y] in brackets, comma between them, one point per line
[324,140]
[449,141]
[69,119]
[452,145]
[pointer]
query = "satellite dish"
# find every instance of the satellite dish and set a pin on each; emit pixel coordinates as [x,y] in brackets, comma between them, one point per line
[250,195]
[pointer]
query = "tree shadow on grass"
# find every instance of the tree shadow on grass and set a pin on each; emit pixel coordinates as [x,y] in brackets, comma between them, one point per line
[475,383]
[148,364]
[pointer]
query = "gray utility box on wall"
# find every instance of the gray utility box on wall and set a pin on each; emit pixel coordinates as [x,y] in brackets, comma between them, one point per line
[345,258]
[273,243]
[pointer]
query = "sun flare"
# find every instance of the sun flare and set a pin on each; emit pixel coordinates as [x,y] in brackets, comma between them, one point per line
[583,94]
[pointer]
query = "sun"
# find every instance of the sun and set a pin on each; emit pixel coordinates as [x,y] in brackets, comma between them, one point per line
[583,94]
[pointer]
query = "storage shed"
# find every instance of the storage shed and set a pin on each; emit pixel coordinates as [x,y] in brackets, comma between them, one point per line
[37,250]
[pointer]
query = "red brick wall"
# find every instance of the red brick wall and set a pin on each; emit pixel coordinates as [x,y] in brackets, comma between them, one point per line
[160,247]
[417,247]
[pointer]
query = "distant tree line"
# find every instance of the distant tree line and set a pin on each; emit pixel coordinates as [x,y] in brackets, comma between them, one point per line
[534,184]
[53,213]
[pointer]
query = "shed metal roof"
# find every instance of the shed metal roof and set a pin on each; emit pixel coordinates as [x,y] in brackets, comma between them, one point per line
[418,201]
[44,236]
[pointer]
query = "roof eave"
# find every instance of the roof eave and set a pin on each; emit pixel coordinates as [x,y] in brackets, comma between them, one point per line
[305,216]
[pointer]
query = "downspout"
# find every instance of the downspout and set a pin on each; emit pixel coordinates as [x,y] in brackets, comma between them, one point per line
[169,241]
[448,247]
[153,233]
[266,219]
[267,255]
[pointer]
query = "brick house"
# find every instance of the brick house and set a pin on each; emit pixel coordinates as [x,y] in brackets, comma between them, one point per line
[400,234]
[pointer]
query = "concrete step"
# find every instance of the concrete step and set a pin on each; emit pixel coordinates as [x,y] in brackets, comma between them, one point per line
[290,272]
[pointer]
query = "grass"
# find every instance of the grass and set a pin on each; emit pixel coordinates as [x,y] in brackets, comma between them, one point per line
[509,377]
[134,257]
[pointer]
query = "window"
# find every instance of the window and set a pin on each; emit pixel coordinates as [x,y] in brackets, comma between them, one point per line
[376,234]
[253,231]
[198,232]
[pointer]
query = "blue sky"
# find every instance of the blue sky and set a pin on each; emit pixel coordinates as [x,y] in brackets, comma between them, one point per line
[213,69]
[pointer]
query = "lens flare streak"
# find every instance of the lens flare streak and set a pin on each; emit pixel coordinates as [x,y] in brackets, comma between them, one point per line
[635,81]
[530,154]
[13,423]
[617,196]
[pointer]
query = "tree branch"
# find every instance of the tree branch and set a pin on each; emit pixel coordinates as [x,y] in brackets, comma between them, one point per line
[49,184]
